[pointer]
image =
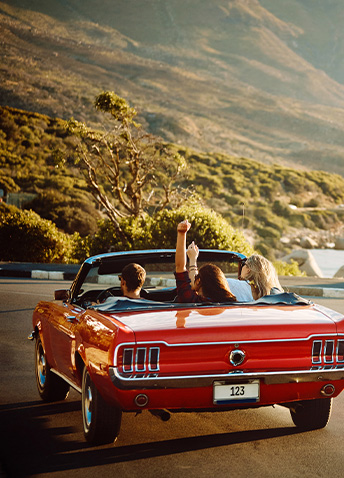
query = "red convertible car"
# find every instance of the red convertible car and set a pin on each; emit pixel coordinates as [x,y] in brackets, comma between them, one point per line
[156,354]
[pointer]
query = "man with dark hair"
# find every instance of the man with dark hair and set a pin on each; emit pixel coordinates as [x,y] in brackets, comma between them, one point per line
[132,279]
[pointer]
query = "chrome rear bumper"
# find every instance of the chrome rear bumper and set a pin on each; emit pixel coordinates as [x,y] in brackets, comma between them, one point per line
[154,381]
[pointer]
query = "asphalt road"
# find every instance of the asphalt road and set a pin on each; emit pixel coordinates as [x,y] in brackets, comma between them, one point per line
[41,440]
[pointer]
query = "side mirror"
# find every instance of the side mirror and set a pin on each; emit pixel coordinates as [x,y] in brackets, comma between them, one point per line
[62,294]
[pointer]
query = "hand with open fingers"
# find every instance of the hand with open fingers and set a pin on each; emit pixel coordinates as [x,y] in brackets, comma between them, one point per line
[184,226]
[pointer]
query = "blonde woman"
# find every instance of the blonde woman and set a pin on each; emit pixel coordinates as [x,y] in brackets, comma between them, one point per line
[261,274]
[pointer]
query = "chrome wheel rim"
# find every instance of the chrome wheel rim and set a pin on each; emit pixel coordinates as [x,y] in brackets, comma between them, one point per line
[41,366]
[88,405]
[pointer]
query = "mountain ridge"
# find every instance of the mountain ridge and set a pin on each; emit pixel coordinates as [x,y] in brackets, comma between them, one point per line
[239,77]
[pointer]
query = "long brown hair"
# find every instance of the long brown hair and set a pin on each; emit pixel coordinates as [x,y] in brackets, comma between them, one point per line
[214,284]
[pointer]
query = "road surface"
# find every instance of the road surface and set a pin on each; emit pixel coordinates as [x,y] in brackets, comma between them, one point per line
[39,439]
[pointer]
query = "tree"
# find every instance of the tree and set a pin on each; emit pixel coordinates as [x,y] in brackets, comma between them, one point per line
[130,171]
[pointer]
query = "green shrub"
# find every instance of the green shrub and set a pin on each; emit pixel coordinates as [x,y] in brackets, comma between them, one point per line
[268,190]
[264,249]
[299,219]
[68,213]
[268,232]
[286,269]
[323,219]
[265,218]
[314,202]
[136,235]
[26,237]
[209,230]
[281,208]
[294,181]
[296,201]
[80,248]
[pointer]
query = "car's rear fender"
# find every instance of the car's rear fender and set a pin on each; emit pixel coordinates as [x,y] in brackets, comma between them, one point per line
[96,339]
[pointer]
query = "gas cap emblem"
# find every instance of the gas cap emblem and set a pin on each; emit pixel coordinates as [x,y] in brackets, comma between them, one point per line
[236,357]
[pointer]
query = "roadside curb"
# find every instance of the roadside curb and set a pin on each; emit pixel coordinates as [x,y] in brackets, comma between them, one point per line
[317,291]
[330,292]
[37,274]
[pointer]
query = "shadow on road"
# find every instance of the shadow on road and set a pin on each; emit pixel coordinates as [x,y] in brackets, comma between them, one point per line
[31,447]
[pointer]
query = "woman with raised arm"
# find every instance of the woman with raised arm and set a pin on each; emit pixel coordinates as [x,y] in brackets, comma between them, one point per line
[261,274]
[209,284]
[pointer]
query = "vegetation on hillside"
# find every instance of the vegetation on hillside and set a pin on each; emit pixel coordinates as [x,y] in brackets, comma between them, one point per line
[266,199]
[30,145]
[248,194]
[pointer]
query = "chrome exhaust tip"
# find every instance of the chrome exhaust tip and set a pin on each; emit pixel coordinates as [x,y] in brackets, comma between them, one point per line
[141,400]
[328,390]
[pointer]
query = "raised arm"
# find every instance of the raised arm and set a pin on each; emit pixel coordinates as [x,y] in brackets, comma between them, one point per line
[180,258]
[192,253]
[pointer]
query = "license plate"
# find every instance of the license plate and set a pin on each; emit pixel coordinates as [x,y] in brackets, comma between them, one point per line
[230,393]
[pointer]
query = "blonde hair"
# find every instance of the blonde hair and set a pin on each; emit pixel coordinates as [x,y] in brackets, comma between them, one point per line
[263,273]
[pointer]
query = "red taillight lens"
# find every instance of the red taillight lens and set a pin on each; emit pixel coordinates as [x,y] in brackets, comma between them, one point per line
[140,359]
[154,354]
[328,352]
[128,360]
[316,351]
[140,365]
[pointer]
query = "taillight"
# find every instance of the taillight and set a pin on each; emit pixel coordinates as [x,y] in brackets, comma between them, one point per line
[140,359]
[328,352]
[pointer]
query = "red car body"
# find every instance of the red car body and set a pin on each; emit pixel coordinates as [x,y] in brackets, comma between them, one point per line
[164,356]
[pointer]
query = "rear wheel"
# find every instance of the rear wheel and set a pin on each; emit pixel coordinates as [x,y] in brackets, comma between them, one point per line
[312,414]
[101,421]
[50,386]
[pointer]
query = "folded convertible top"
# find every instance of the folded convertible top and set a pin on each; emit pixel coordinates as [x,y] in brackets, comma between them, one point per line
[120,304]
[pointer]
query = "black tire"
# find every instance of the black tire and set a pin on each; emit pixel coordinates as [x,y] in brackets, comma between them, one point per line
[312,414]
[50,386]
[101,421]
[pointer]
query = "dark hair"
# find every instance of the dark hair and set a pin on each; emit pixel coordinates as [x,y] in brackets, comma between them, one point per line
[134,276]
[214,284]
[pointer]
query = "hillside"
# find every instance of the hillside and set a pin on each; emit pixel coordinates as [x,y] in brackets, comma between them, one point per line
[255,79]
[252,196]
